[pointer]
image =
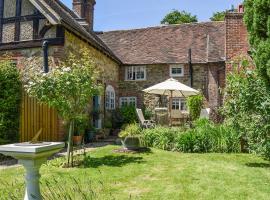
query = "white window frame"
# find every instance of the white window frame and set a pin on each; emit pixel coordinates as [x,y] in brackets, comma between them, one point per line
[110,98]
[134,70]
[178,102]
[177,67]
[128,101]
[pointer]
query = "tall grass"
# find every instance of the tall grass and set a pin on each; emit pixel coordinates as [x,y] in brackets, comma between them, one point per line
[203,138]
[57,189]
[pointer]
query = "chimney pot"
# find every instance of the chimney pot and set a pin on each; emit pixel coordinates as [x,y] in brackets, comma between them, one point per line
[241,8]
[85,10]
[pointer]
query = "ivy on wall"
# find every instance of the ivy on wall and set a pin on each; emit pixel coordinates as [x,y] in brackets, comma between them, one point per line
[10,99]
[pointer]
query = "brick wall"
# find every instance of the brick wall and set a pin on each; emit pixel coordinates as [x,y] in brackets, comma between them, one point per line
[236,37]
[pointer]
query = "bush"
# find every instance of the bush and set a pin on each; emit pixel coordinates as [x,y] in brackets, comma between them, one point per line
[128,113]
[195,104]
[130,130]
[10,99]
[208,137]
[203,138]
[159,137]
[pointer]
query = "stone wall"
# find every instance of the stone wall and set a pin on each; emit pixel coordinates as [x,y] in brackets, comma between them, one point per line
[207,78]
[109,69]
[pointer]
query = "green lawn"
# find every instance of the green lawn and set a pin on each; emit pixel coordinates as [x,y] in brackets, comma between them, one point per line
[153,175]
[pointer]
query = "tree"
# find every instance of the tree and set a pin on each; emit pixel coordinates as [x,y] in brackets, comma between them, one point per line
[218,16]
[247,106]
[67,88]
[179,17]
[257,19]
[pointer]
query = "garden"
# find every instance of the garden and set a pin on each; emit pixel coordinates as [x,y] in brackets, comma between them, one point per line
[223,158]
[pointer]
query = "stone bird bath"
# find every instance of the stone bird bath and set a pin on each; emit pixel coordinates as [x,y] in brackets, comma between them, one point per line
[32,156]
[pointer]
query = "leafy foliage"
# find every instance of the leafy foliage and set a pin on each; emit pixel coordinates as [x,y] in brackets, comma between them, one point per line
[67,87]
[195,104]
[10,99]
[247,107]
[257,19]
[128,113]
[179,17]
[208,137]
[218,16]
[130,130]
[203,138]
[159,137]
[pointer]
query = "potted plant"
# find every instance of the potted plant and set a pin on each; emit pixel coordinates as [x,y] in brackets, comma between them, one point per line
[107,128]
[130,137]
[90,133]
[80,127]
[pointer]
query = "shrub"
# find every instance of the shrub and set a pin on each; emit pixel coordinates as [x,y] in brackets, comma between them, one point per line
[10,98]
[159,137]
[130,130]
[246,105]
[204,137]
[208,137]
[195,104]
[128,113]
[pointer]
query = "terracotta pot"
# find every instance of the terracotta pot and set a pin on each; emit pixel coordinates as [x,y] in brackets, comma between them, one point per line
[77,140]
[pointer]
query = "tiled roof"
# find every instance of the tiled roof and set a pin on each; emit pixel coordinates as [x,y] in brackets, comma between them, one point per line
[67,18]
[169,44]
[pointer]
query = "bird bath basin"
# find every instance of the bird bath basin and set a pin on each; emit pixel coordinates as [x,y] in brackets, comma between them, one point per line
[32,156]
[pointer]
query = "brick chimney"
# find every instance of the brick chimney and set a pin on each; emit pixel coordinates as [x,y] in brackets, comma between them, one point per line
[85,10]
[236,35]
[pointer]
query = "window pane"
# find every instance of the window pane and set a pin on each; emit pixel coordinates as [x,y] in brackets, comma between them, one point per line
[176,71]
[129,73]
[140,72]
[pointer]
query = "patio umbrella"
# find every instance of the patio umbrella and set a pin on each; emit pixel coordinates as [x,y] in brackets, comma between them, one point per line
[172,88]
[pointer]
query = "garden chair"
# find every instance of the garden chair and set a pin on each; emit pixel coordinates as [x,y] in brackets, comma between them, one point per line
[144,123]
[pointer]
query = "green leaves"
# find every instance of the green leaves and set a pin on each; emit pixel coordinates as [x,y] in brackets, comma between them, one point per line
[68,87]
[179,17]
[218,16]
[10,99]
[195,104]
[247,107]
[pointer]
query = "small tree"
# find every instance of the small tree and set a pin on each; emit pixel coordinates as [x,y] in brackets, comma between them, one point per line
[195,104]
[68,88]
[179,17]
[258,24]
[218,16]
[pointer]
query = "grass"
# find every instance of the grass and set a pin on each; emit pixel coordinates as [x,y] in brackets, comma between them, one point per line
[153,175]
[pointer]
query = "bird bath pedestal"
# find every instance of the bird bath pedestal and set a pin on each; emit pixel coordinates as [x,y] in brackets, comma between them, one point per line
[32,156]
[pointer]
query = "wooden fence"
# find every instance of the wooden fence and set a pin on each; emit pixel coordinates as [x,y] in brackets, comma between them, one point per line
[35,116]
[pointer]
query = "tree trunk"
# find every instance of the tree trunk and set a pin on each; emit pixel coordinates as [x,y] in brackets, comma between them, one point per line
[70,141]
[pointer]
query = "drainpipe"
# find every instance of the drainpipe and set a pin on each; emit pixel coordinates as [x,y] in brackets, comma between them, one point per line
[190,67]
[45,47]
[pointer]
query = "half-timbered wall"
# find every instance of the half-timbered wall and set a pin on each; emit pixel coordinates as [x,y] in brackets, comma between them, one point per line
[20,21]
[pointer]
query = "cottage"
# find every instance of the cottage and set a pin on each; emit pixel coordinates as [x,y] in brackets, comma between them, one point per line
[196,54]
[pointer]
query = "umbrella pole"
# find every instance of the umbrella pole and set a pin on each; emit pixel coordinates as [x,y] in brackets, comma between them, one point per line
[171,108]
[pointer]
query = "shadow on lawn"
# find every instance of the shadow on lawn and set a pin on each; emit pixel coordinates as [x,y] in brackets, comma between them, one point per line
[259,165]
[114,161]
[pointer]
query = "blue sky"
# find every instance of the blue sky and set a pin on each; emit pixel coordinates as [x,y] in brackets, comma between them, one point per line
[128,14]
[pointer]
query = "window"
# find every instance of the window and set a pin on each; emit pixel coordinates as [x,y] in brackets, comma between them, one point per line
[176,71]
[134,73]
[110,98]
[128,101]
[179,104]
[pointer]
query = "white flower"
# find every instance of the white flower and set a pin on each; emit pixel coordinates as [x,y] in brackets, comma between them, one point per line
[66,69]
[68,83]
[31,83]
